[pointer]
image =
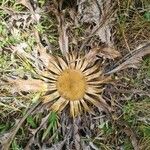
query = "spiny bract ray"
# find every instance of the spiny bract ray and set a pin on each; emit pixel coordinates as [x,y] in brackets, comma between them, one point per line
[72,81]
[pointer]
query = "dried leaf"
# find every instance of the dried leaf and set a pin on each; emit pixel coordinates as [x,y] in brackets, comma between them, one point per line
[27,85]
[132,61]
[62,28]
[90,13]
[27,4]
[58,146]
[132,136]
[44,56]
[86,146]
[131,91]
[109,52]
[93,146]
[106,52]
[93,11]
[102,24]
[76,134]
[19,49]
[7,138]
[34,132]
[63,37]
[146,82]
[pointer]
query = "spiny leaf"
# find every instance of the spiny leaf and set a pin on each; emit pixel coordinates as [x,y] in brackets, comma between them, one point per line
[31,85]
[62,28]
[44,56]
[106,52]
[132,61]
[7,138]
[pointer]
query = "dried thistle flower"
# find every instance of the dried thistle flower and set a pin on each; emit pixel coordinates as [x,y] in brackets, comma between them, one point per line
[69,81]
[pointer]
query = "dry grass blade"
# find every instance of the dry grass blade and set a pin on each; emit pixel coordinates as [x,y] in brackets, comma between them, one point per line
[131,61]
[7,138]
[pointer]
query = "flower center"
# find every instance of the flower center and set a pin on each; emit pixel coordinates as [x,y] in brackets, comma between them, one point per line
[71,84]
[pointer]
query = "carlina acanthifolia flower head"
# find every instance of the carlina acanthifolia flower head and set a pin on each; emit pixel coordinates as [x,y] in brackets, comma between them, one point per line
[73,82]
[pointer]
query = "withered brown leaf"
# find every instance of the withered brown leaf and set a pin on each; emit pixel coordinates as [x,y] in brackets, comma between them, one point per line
[106,52]
[62,29]
[132,61]
[30,85]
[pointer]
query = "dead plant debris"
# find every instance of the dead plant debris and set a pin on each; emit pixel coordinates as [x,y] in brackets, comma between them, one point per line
[74,75]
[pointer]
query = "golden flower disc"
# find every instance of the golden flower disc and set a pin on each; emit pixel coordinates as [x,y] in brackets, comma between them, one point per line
[71,84]
[73,81]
